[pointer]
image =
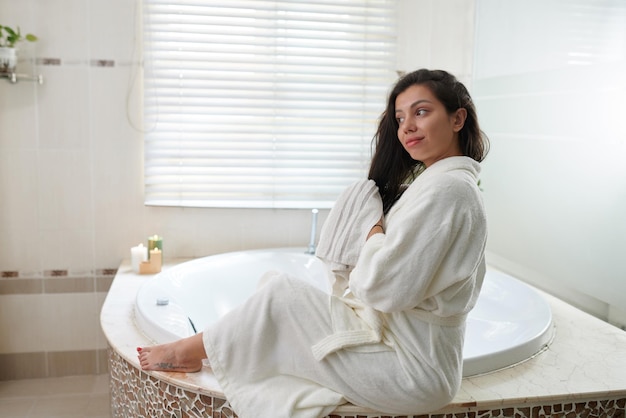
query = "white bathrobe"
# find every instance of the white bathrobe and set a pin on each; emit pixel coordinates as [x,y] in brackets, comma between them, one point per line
[394,342]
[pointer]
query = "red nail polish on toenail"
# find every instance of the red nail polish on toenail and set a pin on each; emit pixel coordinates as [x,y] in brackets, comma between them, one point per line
[138,348]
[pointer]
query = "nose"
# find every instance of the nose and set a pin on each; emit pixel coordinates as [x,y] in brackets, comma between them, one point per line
[408,125]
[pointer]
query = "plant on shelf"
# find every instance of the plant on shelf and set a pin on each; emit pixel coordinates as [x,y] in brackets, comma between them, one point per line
[9,37]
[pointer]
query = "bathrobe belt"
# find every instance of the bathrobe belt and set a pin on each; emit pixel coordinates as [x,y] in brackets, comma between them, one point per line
[373,325]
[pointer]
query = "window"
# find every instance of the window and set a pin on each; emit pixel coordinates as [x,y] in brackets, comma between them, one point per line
[262,104]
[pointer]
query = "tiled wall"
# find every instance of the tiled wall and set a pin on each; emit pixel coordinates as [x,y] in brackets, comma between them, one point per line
[50,324]
[549,94]
[71,197]
[437,34]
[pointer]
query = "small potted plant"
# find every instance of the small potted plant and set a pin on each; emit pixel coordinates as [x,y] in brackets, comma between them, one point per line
[9,37]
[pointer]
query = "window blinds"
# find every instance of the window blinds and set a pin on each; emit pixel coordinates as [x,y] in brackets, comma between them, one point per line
[262,104]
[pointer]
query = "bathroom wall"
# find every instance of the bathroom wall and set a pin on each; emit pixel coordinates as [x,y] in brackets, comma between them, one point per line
[437,34]
[71,199]
[549,86]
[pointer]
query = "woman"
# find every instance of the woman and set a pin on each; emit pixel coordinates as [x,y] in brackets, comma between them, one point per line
[417,276]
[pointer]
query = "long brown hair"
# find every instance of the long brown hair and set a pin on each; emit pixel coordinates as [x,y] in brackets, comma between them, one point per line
[391,165]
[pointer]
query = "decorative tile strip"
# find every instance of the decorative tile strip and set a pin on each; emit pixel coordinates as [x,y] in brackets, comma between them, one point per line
[58,273]
[102,63]
[48,61]
[55,273]
[56,281]
[30,274]
[80,273]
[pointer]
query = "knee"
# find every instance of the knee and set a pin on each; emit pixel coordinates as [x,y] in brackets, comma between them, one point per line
[272,279]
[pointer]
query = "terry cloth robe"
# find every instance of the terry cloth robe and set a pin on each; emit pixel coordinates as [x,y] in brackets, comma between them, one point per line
[287,351]
[345,230]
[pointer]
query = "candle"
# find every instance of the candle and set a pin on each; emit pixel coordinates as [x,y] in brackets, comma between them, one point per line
[155,241]
[155,258]
[152,266]
[137,255]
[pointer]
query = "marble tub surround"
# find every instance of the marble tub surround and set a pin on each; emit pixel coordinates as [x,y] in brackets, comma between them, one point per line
[582,373]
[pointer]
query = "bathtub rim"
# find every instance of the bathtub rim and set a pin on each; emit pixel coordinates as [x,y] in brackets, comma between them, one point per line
[476,365]
[491,391]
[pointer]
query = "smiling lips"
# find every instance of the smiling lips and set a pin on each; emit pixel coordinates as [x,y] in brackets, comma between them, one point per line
[413,141]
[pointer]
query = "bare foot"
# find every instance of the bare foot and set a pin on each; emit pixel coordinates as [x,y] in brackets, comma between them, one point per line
[180,356]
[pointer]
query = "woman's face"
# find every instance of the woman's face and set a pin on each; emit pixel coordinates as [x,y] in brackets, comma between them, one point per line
[425,129]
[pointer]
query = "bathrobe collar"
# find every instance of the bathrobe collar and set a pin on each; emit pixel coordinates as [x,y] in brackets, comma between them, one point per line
[453,163]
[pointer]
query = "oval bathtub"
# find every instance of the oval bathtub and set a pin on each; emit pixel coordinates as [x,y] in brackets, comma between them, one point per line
[510,323]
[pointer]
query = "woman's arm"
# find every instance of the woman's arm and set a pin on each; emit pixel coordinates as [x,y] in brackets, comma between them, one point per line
[431,243]
[376,229]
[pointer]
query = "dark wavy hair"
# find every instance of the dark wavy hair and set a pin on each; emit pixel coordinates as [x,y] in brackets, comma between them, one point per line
[392,167]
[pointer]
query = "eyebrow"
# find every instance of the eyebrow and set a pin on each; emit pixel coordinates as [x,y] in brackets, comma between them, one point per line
[417,102]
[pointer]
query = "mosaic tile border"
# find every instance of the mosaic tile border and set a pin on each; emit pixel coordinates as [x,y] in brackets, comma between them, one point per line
[137,394]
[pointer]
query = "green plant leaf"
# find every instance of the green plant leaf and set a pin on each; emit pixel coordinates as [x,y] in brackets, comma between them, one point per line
[12,36]
[11,32]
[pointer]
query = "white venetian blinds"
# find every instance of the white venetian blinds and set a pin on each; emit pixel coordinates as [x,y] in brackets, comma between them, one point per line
[264,104]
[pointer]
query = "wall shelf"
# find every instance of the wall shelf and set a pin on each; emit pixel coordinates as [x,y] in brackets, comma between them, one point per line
[13,78]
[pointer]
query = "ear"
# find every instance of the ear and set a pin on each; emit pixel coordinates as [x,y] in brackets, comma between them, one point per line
[458,119]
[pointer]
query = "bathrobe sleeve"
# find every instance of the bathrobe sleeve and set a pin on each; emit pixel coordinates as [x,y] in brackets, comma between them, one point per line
[434,240]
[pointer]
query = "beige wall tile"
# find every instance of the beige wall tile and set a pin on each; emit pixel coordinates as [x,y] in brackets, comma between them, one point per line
[65,199]
[69,285]
[20,286]
[103,283]
[16,366]
[69,363]
[56,17]
[102,360]
[72,321]
[21,319]
[22,366]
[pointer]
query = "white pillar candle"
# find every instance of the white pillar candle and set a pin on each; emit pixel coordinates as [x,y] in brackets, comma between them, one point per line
[138,254]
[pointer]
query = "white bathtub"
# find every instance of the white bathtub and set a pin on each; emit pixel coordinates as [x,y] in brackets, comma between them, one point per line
[510,323]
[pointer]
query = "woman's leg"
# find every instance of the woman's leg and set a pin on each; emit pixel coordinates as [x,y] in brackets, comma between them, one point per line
[184,355]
